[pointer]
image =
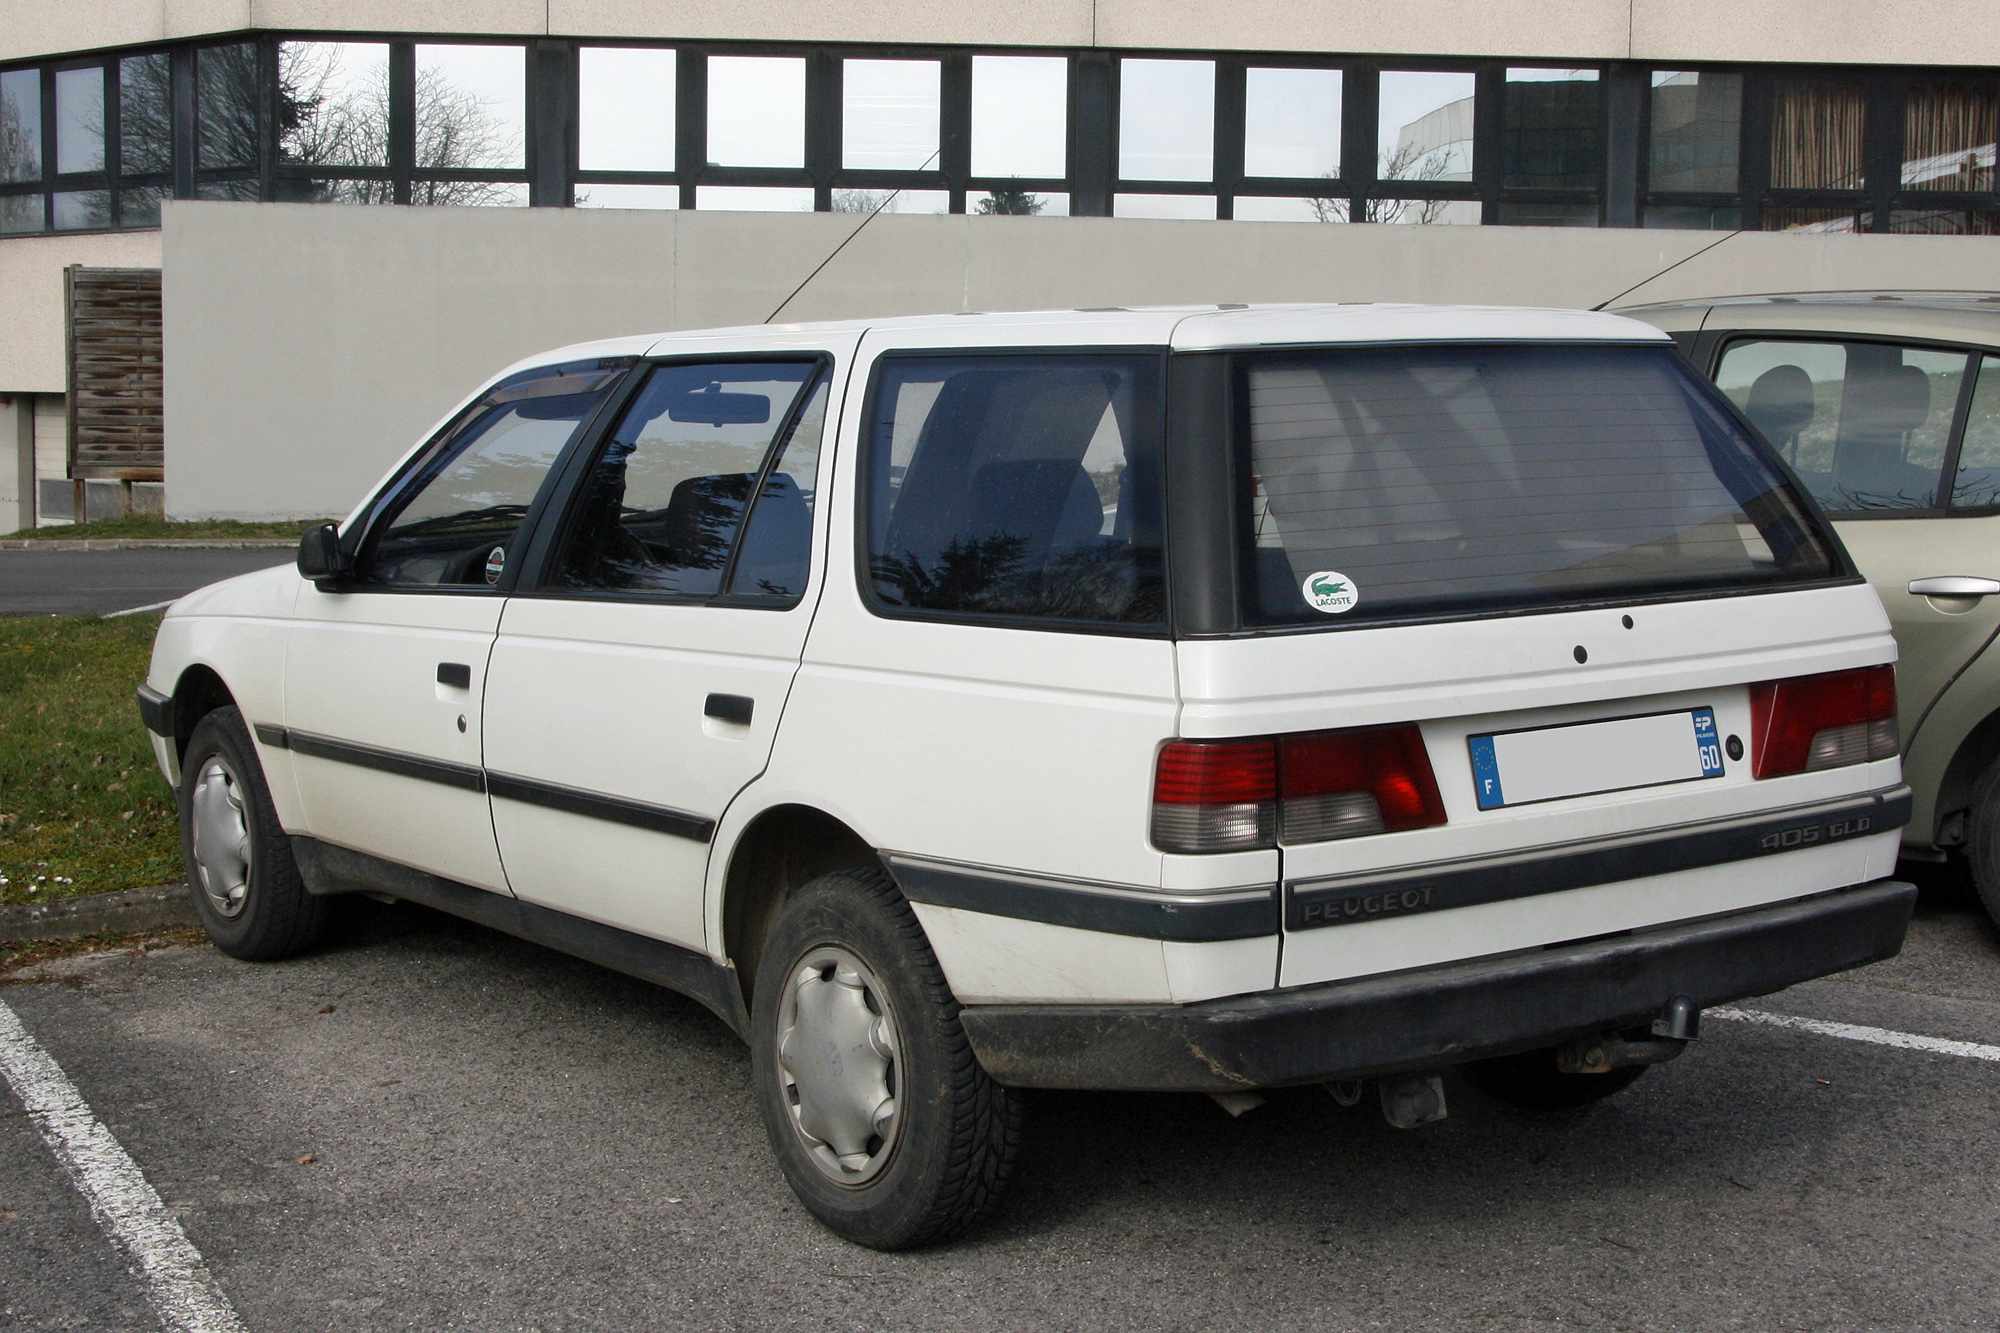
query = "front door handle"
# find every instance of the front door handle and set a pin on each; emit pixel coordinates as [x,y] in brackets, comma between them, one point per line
[730,708]
[1954,585]
[459,676]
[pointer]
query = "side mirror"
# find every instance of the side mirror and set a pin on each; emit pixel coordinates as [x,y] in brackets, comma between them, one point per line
[320,556]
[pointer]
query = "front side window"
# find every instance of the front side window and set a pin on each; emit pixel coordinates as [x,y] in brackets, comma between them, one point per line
[1017,486]
[456,519]
[692,460]
[1863,424]
[1387,482]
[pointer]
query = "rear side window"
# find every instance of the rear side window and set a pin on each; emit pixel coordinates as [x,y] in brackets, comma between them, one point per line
[1017,486]
[1436,480]
[455,518]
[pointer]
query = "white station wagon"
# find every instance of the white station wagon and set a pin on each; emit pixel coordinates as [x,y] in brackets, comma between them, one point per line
[1186,699]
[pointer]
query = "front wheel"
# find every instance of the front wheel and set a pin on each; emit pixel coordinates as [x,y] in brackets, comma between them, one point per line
[885,1126]
[1982,841]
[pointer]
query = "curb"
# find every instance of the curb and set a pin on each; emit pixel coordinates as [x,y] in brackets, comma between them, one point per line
[151,544]
[156,908]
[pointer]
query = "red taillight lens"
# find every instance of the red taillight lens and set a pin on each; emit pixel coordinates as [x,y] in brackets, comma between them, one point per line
[1216,796]
[1814,722]
[1227,796]
[1342,784]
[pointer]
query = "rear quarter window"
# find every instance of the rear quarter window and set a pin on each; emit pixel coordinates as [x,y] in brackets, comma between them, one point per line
[1398,481]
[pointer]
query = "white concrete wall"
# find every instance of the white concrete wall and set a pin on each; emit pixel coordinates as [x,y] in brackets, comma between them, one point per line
[31,298]
[1924,32]
[307,346]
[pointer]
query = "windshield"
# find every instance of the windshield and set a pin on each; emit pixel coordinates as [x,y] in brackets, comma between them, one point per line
[1433,480]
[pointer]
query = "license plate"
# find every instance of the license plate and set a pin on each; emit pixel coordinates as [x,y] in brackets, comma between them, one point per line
[1550,763]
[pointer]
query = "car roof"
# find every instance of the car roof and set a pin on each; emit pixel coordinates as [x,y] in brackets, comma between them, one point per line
[1955,316]
[1184,328]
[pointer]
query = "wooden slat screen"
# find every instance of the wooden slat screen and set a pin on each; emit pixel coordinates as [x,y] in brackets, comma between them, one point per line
[116,419]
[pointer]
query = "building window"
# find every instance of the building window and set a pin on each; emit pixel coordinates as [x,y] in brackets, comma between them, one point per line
[889,114]
[1424,126]
[1166,120]
[1549,136]
[626,108]
[1020,117]
[1291,123]
[757,111]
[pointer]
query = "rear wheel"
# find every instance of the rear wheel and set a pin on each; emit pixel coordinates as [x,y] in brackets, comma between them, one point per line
[1532,1081]
[246,887]
[886,1127]
[1982,840]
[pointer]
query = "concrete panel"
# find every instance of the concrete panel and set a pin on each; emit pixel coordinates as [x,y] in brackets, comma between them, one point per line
[1000,22]
[31,298]
[524,18]
[36,27]
[192,18]
[1577,29]
[17,462]
[308,346]
[1863,32]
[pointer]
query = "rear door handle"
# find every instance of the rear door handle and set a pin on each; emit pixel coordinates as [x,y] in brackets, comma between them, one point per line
[730,708]
[1954,585]
[455,674]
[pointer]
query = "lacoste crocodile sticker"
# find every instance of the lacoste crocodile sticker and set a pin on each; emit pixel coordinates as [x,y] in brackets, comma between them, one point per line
[1331,591]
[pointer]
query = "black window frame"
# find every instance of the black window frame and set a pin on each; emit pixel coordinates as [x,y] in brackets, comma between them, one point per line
[864,572]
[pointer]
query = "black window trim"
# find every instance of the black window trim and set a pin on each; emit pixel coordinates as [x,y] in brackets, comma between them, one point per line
[573,473]
[864,579]
[1721,340]
[1223,524]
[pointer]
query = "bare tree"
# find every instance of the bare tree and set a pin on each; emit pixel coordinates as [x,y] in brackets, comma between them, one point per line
[20,143]
[1016,202]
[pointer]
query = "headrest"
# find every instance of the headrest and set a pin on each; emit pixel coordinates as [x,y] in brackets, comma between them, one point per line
[1781,402]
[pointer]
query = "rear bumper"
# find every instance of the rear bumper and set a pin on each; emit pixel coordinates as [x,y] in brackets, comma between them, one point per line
[1438,1016]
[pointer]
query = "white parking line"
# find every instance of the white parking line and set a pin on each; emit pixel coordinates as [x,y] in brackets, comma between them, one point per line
[176,1280]
[137,610]
[1908,1041]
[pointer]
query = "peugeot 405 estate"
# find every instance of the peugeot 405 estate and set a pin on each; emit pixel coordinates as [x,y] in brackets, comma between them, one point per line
[1197,699]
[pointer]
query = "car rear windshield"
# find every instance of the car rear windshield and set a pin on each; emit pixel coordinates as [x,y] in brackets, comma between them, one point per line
[1400,481]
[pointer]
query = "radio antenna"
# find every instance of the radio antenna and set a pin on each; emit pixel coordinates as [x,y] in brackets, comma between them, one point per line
[1726,236]
[886,201]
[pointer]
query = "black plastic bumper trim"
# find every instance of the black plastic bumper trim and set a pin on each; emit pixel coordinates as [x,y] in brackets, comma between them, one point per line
[1153,914]
[592,805]
[462,776]
[1311,906]
[277,738]
[156,710]
[1433,1017]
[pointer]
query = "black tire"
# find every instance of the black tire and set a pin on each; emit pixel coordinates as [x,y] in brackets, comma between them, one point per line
[1530,1080]
[947,1151]
[1982,840]
[261,911]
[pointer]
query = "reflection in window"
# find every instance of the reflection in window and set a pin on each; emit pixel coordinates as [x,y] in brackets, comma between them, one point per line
[1948,136]
[472,108]
[1547,215]
[1694,217]
[145,114]
[1697,126]
[1018,203]
[241,190]
[1253,208]
[1816,219]
[754,199]
[333,104]
[599,195]
[141,207]
[1020,116]
[462,194]
[1424,212]
[83,210]
[891,201]
[225,80]
[1978,478]
[1549,133]
[334,190]
[1291,122]
[625,109]
[1945,222]
[1816,134]
[1163,205]
[20,213]
[1166,120]
[889,115]
[21,125]
[1425,129]
[1863,424]
[757,111]
[80,120]
[661,508]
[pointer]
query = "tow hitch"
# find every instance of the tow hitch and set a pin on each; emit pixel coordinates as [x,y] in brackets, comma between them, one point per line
[1678,1024]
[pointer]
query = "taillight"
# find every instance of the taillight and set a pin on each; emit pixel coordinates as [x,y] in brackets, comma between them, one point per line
[1342,784]
[1216,796]
[1227,796]
[1826,721]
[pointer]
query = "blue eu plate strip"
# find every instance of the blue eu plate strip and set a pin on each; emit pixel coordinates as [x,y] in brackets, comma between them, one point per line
[1705,742]
[1486,773]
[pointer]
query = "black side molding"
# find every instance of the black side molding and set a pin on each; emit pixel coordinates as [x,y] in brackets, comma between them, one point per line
[463,776]
[330,869]
[156,710]
[730,708]
[277,738]
[1153,914]
[592,805]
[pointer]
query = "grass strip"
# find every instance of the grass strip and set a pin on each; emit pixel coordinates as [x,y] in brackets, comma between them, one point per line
[83,808]
[16,957]
[155,529]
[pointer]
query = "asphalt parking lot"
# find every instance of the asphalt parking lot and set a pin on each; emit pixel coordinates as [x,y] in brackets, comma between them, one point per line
[80,583]
[502,1138]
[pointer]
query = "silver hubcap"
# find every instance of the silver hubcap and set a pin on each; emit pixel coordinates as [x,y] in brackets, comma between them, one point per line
[221,838]
[837,1060]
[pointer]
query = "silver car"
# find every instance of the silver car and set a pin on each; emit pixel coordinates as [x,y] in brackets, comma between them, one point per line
[1887,406]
